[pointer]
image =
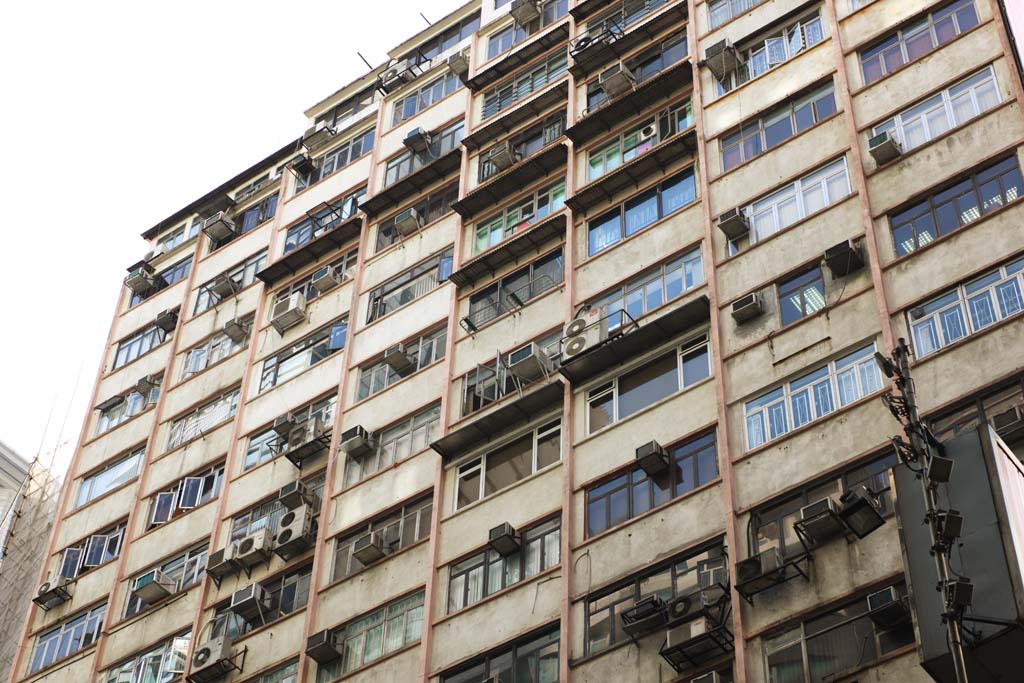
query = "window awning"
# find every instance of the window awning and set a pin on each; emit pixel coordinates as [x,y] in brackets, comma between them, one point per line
[520,175]
[518,56]
[508,121]
[529,241]
[311,252]
[601,53]
[414,183]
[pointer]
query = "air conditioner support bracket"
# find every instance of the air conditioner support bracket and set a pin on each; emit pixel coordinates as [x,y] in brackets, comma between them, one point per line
[796,566]
[800,527]
[232,664]
[297,456]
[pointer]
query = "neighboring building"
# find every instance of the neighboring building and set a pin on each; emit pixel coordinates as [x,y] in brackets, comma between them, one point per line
[476,290]
[13,472]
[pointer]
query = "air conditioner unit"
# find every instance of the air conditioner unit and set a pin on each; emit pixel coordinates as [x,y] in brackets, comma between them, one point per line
[140,278]
[408,222]
[111,402]
[418,140]
[318,136]
[305,440]
[683,607]
[326,279]
[883,148]
[648,132]
[211,661]
[288,312]
[747,308]
[755,567]
[397,358]
[284,424]
[843,259]
[147,384]
[709,677]
[236,330]
[295,494]
[158,251]
[223,286]
[524,11]
[322,647]
[584,332]
[396,76]
[503,539]
[503,156]
[652,458]
[251,603]
[368,548]
[154,586]
[712,573]
[617,82]
[530,363]
[1008,419]
[167,320]
[254,549]
[222,562]
[53,593]
[219,227]
[357,442]
[886,609]
[458,64]
[678,637]
[646,615]
[820,521]
[296,532]
[734,224]
[722,58]
[302,165]
[581,44]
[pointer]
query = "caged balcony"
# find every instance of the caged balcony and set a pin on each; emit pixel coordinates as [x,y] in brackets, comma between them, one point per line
[614,34]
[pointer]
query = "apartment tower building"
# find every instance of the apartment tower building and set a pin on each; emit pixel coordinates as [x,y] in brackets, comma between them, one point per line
[546,354]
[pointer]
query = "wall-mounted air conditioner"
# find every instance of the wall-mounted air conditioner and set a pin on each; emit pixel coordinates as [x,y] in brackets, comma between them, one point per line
[525,11]
[284,424]
[652,458]
[296,532]
[722,58]
[617,81]
[222,562]
[251,603]
[530,363]
[357,442]
[322,647]
[408,222]
[167,320]
[326,279]
[395,76]
[820,521]
[417,140]
[219,227]
[709,677]
[747,308]
[734,224]
[584,332]
[288,312]
[503,156]
[844,258]
[236,330]
[154,586]
[297,493]
[368,548]
[52,593]
[758,565]
[458,64]
[883,148]
[646,615]
[223,286]
[886,609]
[211,661]
[147,384]
[140,278]
[318,136]
[302,165]
[503,539]
[254,549]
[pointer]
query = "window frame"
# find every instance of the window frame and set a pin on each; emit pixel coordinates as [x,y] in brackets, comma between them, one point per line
[79,631]
[270,367]
[417,512]
[192,565]
[180,426]
[137,454]
[242,274]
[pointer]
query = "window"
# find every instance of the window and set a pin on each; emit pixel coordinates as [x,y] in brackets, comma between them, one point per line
[405,526]
[162,664]
[287,593]
[126,407]
[267,514]
[268,444]
[433,92]
[421,351]
[251,189]
[243,275]
[374,635]
[644,66]
[324,220]
[164,279]
[253,216]
[98,549]
[186,495]
[515,290]
[533,659]
[410,285]
[212,351]
[303,354]
[656,287]
[639,139]
[843,638]
[802,295]
[67,638]
[519,216]
[513,34]
[685,574]
[777,126]
[115,474]
[203,419]
[493,380]
[796,201]
[632,493]
[342,266]
[287,673]
[407,163]
[953,208]
[430,208]
[776,49]
[504,95]
[445,41]
[354,108]
[185,570]
[627,13]
[504,466]
[174,239]
[812,396]
[487,572]
[338,158]
[968,309]
[138,344]
[633,391]
[948,109]
[396,443]
[721,11]
[524,144]
[917,39]
[772,526]
[641,211]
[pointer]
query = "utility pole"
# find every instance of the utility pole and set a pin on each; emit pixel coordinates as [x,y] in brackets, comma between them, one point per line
[918,452]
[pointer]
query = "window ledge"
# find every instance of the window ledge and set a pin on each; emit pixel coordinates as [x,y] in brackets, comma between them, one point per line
[538,578]
[268,626]
[154,529]
[366,568]
[113,371]
[510,487]
[394,384]
[193,375]
[113,429]
[333,173]
[963,341]
[302,373]
[560,288]
[369,665]
[125,622]
[134,480]
[403,307]
[185,444]
[720,98]
[60,663]
[214,307]
[345,489]
[847,51]
[394,246]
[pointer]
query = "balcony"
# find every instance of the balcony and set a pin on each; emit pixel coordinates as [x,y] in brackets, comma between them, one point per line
[529,239]
[659,87]
[529,110]
[336,236]
[520,175]
[631,174]
[414,183]
[521,54]
[611,39]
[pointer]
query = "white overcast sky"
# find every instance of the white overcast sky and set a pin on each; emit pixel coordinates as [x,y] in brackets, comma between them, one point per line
[113,116]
